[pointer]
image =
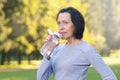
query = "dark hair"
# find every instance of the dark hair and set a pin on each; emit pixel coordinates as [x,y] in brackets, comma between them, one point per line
[77,19]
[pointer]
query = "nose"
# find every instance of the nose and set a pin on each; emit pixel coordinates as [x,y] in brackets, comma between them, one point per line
[61,27]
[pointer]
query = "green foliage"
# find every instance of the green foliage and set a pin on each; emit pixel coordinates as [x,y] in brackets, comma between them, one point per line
[25,28]
[29,19]
[54,6]
[24,23]
[94,23]
[112,23]
[89,37]
[32,14]
[50,18]
[4,30]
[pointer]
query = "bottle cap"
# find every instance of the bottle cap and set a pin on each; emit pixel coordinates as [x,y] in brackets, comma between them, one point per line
[58,34]
[50,32]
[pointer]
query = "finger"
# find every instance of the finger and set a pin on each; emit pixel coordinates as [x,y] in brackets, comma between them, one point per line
[48,38]
[57,45]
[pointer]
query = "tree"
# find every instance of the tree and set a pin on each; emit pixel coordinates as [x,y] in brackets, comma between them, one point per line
[4,33]
[50,18]
[28,21]
[95,18]
[24,20]
[112,23]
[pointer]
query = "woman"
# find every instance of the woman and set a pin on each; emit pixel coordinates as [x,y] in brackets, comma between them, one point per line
[70,61]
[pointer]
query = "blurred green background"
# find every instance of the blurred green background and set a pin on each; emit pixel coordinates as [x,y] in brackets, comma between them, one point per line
[24,24]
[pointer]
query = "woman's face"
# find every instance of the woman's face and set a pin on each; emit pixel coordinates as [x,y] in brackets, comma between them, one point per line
[66,27]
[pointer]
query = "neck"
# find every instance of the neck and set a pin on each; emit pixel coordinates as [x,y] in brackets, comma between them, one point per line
[73,41]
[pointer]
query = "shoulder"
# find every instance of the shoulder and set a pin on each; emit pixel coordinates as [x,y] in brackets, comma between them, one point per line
[90,52]
[87,48]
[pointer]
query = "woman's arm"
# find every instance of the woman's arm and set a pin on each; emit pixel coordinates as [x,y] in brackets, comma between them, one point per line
[45,70]
[104,70]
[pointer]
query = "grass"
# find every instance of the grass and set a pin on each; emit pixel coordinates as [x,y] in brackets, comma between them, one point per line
[93,75]
[30,74]
[24,65]
[19,75]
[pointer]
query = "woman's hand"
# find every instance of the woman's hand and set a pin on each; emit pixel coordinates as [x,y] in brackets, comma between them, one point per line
[48,38]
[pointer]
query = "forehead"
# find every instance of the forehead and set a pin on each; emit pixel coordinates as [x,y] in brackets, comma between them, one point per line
[64,16]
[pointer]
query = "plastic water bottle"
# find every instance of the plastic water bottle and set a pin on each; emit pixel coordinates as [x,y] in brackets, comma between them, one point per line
[49,46]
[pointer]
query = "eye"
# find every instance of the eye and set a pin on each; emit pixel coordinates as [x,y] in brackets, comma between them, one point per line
[65,22]
[58,23]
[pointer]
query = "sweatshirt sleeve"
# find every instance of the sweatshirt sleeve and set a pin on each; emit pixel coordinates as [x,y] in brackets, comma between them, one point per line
[104,70]
[45,70]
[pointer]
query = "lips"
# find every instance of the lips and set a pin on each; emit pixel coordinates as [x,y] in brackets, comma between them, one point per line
[62,33]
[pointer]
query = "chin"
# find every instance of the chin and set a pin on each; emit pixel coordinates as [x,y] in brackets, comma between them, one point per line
[63,38]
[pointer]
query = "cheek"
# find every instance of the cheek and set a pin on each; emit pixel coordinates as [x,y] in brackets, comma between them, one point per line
[71,29]
[71,33]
